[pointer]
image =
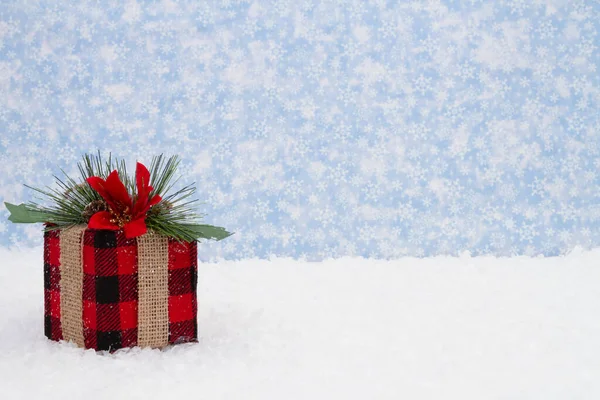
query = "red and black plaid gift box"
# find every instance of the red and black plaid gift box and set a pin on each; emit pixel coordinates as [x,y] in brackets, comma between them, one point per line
[105,292]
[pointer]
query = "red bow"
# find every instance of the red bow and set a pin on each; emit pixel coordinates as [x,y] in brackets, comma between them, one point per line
[122,212]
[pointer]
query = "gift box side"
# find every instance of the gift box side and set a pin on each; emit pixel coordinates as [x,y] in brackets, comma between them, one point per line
[110,290]
[52,323]
[183,282]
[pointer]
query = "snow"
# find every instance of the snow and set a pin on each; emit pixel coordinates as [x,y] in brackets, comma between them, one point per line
[350,328]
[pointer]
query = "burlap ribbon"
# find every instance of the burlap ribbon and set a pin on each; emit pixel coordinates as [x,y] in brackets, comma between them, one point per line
[153,287]
[71,283]
[153,291]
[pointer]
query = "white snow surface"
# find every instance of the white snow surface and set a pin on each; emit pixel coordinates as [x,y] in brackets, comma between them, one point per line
[350,328]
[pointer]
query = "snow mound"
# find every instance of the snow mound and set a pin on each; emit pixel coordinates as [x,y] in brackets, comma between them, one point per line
[350,328]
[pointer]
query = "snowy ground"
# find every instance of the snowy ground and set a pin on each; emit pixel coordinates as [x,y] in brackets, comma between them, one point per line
[437,328]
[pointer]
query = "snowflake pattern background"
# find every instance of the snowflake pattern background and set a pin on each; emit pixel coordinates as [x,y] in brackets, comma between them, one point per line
[319,129]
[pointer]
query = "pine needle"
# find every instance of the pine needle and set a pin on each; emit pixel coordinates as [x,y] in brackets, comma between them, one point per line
[174,216]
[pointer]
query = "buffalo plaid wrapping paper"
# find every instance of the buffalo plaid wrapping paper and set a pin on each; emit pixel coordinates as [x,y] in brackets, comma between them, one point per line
[109,295]
[52,328]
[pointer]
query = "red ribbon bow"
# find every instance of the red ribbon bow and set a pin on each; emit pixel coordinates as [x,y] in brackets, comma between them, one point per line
[123,212]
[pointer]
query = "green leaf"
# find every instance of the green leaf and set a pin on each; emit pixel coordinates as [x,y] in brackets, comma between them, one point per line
[208,231]
[23,214]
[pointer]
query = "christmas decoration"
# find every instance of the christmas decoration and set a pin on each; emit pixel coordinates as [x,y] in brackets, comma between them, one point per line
[122,212]
[120,255]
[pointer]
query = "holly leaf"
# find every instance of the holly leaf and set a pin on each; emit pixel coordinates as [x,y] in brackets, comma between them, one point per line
[209,231]
[23,214]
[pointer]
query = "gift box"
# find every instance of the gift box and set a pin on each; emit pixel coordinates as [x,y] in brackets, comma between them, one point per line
[120,254]
[104,291]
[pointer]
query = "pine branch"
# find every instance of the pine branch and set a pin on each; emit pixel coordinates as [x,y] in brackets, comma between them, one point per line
[174,216]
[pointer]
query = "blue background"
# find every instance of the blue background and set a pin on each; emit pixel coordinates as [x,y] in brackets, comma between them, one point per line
[319,129]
